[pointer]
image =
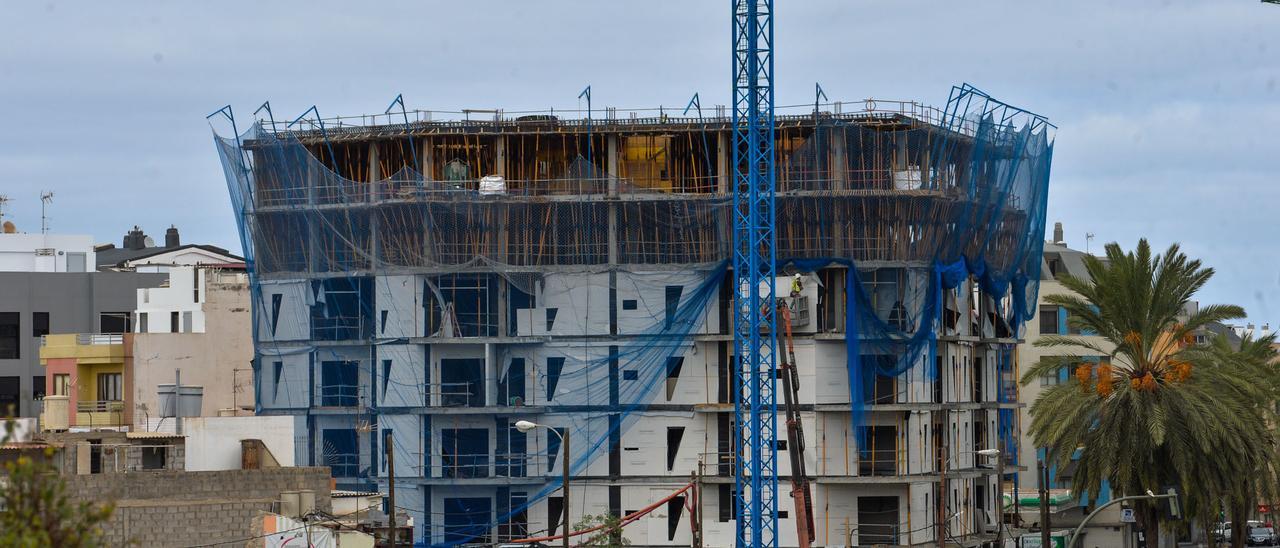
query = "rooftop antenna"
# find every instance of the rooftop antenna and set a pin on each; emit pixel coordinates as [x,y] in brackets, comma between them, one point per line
[3,200]
[46,198]
[1088,237]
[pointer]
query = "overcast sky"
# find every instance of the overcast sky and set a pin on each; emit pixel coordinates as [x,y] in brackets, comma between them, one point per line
[1169,112]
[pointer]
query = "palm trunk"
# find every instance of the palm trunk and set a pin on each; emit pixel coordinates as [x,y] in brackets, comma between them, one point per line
[1239,521]
[1148,522]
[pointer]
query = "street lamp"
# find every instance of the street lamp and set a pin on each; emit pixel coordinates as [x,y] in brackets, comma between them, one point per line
[525,426]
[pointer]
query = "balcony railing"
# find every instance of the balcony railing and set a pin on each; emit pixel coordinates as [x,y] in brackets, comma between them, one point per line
[89,339]
[98,413]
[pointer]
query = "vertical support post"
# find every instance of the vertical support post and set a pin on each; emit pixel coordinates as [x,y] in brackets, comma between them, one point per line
[428,159]
[723,154]
[1000,499]
[1044,502]
[696,497]
[565,465]
[177,401]
[940,528]
[500,155]
[391,489]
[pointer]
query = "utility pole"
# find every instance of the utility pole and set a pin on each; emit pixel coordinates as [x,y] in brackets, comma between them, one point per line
[940,526]
[1000,500]
[1044,502]
[177,401]
[564,442]
[696,495]
[391,490]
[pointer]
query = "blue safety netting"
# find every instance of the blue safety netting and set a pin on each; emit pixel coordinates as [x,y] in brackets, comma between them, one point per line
[908,210]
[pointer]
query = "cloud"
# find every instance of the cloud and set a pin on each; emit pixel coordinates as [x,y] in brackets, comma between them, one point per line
[1166,109]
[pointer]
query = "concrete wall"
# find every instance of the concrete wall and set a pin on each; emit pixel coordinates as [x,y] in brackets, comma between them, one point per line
[166,508]
[214,442]
[217,359]
[183,295]
[74,303]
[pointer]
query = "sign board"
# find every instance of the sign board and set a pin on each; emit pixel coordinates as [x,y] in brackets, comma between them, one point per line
[1057,539]
[1127,516]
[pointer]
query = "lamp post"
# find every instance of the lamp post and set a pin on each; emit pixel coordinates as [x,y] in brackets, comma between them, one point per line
[525,426]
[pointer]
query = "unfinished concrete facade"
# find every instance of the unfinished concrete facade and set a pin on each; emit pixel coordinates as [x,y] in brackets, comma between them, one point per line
[439,281]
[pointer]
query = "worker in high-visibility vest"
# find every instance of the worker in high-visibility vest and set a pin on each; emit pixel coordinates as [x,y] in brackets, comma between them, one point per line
[797,285]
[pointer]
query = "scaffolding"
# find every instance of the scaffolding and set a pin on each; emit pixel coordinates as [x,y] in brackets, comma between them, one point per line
[421,276]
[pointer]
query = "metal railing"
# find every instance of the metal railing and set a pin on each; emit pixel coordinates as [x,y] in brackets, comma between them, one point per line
[457,394]
[99,406]
[95,413]
[92,338]
[338,328]
[89,339]
[340,395]
[880,462]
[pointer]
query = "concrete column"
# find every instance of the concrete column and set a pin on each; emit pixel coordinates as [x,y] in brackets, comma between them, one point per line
[428,159]
[724,157]
[375,171]
[374,233]
[839,159]
[611,162]
[490,375]
[503,296]
[500,155]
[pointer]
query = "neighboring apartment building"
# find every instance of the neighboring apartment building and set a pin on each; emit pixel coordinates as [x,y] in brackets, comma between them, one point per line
[1106,530]
[198,323]
[138,253]
[46,253]
[45,289]
[93,374]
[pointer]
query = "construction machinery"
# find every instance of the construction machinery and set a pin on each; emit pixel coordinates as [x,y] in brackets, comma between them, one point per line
[800,491]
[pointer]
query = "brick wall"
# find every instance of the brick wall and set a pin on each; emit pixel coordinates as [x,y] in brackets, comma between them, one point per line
[175,508]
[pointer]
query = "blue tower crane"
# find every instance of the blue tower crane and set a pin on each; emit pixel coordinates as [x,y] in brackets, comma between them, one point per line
[755,322]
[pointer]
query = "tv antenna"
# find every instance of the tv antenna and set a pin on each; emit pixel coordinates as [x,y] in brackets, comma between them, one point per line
[1088,237]
[3,200]
[46,198]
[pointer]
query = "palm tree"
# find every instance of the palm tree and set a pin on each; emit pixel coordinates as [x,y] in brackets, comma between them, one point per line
[1156,411]
[1255,476]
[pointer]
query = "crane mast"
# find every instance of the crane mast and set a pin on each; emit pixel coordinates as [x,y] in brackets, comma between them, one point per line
[755,325]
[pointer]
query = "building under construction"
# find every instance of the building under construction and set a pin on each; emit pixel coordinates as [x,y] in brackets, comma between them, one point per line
[431,283]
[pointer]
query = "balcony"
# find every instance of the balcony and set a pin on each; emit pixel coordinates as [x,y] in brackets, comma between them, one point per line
[100,414]
[85,348]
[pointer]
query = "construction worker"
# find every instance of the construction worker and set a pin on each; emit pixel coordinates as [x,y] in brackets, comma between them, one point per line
[797,285]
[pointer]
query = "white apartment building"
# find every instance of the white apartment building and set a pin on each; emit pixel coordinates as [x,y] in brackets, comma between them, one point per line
[46,253]
[198,322]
